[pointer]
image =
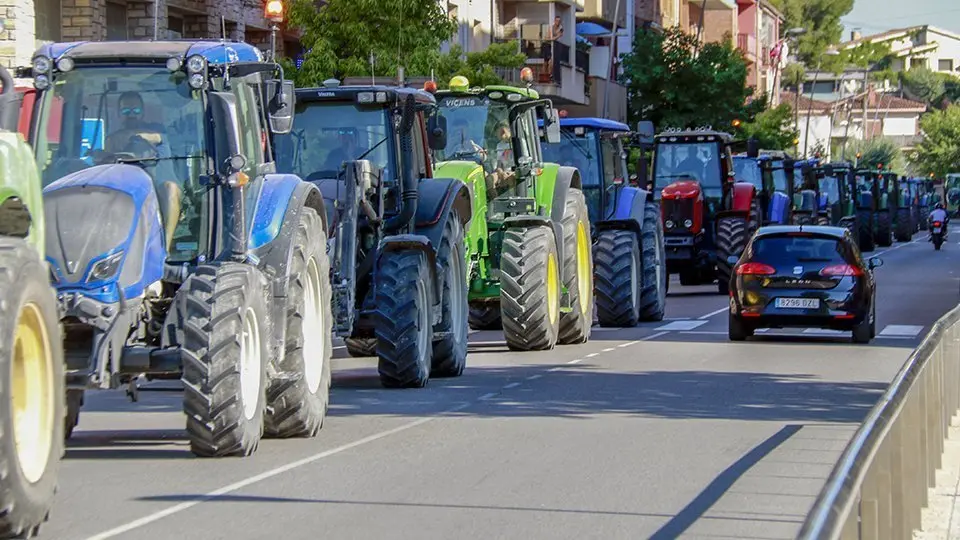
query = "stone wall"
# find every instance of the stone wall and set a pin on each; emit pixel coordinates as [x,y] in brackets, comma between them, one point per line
[17,39]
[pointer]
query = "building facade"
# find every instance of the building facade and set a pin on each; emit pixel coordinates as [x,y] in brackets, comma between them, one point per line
[34,22]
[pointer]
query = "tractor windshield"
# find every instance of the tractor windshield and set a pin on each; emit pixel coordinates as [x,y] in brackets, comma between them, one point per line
[830,186]
[747,169]
[691,161]
[479,130]
[584,149]
[779,177]
[145,116]
[325,134]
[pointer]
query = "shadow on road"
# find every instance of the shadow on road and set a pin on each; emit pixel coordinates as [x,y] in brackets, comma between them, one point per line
[129,444]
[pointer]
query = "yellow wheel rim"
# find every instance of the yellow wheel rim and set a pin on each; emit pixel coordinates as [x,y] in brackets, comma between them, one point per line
[32,393]
[584,275]
[553,289]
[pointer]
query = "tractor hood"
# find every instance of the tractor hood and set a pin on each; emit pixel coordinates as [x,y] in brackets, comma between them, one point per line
[684,189]
[100,224]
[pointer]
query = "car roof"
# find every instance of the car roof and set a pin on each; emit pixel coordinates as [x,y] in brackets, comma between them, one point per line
[822,230]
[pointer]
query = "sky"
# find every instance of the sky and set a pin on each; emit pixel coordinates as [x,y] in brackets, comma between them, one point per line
[875,16]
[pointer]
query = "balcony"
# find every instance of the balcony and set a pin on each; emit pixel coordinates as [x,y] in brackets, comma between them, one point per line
[748,44]
[559,70]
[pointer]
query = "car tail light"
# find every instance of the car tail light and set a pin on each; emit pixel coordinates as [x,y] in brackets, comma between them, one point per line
[841,270]
[755,269]
[936,223]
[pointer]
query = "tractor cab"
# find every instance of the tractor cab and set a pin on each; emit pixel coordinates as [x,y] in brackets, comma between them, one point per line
[951,189]
[770,173]
[598,149]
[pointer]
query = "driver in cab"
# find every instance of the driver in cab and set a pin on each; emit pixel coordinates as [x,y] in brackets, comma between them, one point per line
[689,164]
[133,127]
[502,176]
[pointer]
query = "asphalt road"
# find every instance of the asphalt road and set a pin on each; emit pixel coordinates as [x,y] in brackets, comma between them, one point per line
[659,431]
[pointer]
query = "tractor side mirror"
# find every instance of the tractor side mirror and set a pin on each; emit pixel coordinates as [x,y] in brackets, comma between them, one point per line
[875,262]
[645,131]
[437,132]
[551,125]
[281,105]
[9,103]
[226,126]
[753,147]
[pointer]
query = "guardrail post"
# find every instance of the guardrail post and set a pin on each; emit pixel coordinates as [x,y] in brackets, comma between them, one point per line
[869,505]
[912,452]
[922,420]
[884,462]
[898,519]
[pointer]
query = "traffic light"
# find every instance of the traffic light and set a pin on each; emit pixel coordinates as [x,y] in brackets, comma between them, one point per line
[273,11]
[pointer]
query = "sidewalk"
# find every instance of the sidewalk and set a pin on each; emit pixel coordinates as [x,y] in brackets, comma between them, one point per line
[941,518]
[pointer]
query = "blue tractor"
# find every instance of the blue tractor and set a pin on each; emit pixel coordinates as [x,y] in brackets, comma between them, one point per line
[630,274]
[770,174]
[397,233]
[176,249]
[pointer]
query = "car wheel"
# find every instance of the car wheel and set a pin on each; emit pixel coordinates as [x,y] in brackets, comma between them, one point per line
[737,329]
[861,332]
[873,320]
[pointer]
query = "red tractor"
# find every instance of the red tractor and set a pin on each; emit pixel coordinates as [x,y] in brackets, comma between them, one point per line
[707,215]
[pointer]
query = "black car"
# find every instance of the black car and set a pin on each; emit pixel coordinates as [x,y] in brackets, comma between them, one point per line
[803,276]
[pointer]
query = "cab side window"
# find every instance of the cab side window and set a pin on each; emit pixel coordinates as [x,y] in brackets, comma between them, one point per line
[608,153]
[251,130]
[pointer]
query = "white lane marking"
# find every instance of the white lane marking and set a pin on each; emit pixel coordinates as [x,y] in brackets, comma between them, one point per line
[627,344]
[591,355]
[823,332]
[577,361]
[511,385]
[706,332]
[487,396]
[905,330]
[156,516]
[676,318]
[712,313]
[534,377]
[682,325]
[653,336]
[888,250]
[608,349]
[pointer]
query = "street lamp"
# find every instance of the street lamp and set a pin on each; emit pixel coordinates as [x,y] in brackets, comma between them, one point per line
[831,51]
[273,12]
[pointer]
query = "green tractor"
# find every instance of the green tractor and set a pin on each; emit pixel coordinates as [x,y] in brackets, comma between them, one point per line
[951,188]
[31,344]
[531,264]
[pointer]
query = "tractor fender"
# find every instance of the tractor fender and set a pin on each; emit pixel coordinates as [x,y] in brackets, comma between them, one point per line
[628,210]
[553,186]
[778,207]
[21,213]
[104,210]
[475,179]
[278,193]
[419,242]
[438,197]
[276,254]
[743,194]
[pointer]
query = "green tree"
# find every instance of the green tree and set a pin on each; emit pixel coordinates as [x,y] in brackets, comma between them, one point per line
[341,36]
[821,19]
[879,151]
[773,128]
[924,85]
[939,152]
[480,68]
[669,85]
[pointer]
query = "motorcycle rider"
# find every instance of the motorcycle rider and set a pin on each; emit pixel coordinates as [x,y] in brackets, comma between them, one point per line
[939,214]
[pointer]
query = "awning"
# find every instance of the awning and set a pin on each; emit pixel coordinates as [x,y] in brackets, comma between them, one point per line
[591,29]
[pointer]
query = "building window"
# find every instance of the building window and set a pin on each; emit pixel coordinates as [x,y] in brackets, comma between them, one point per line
[946,64]
[175,26]
[48,20]
[116,22]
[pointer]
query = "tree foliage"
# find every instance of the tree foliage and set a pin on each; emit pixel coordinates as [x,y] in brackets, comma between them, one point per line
[670,85]
[879,151]
[939,152]
[480,68]
[820,18]
[341,35]
[773,128]
[935,89]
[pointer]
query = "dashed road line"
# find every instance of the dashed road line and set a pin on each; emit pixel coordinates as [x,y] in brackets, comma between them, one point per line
[487,396]
[591,355]
[577,361]
[682,325]
[534,377]
[608,349]
[712,313]
[511,385]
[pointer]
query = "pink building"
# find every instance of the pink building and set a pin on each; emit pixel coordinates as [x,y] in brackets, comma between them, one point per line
[758,32]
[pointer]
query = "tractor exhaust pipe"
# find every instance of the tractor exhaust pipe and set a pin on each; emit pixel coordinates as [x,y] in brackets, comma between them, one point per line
[408,178]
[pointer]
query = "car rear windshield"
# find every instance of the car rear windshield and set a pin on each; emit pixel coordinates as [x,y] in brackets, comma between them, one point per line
[790,249]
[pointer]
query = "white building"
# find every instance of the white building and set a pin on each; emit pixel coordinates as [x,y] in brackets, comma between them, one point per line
[928,46]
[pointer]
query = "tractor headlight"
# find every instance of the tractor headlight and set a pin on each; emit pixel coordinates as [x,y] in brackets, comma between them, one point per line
[41,82]
[688,223]
[106,268]
[669,223]
[196,64]
[41,64]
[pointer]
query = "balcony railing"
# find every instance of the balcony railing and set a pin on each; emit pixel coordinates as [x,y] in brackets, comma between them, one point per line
[748,44]
[582,59]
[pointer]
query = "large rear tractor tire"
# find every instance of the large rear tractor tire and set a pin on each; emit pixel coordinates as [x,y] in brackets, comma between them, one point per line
[297,402]
[530,288]
[222,313]
[31,390]
[450,351]
[865,228]
[618,269]
[903,230]
[884,229]
[74,404]
[485,317]
[577,271]
[653,288]
[404,324]
[731,241]
[361,347]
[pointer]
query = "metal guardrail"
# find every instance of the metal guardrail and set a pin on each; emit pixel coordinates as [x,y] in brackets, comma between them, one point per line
[879,486]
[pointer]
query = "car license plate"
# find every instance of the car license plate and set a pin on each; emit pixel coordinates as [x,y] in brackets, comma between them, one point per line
[798,303]
[936,230]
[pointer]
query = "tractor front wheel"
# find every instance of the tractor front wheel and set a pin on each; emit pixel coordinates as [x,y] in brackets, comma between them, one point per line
[618,270]
[530,288]
[450,351]
[297,403]
[404,299]
[222,312]
[731,241]
[577,271]
[654,279]
[32,390]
